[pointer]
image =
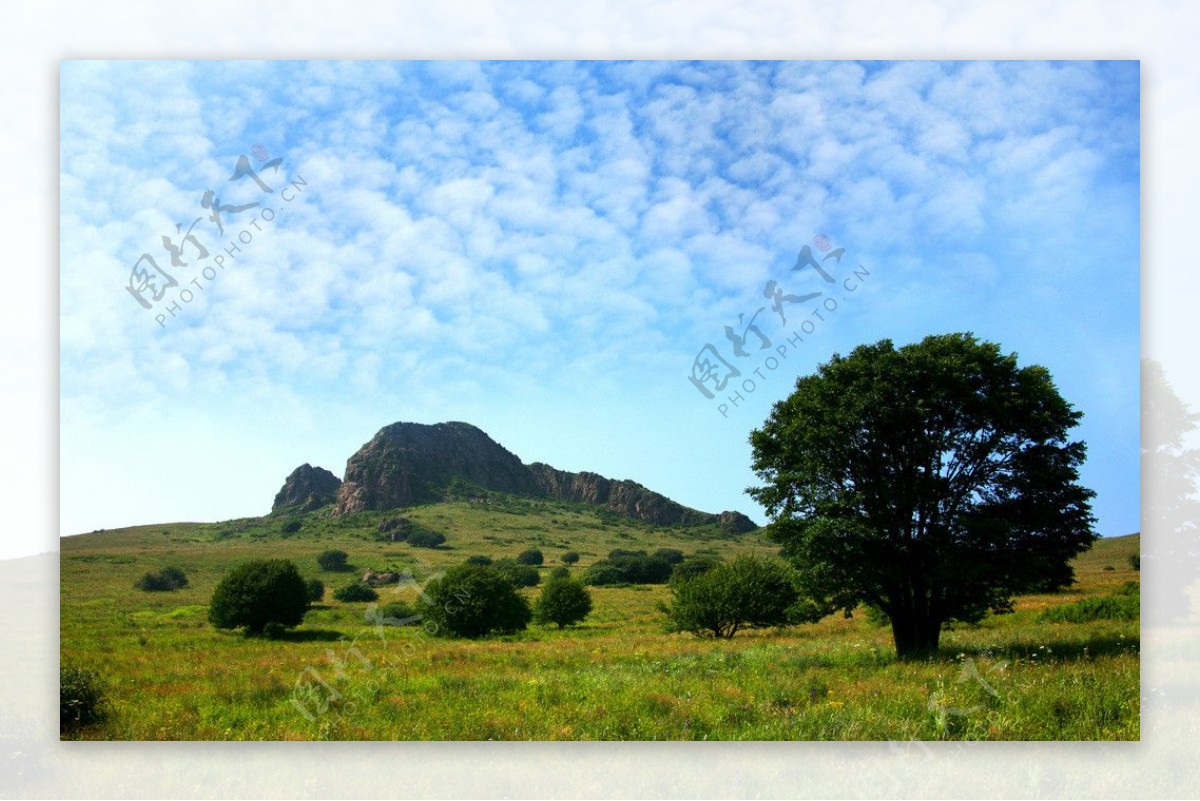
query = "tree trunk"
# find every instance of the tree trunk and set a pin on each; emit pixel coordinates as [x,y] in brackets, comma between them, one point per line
[915,637]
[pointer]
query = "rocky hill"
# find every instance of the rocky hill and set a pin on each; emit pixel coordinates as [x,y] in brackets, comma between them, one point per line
[410,463]
[306,489]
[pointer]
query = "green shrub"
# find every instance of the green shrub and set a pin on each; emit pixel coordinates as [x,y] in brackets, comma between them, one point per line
[316,590]
[570,558]
[259,592]
[165,580]
[561,571]
[621,553]
[475,600]
[1124,604]
[1135,561]
[532,557]
[81,699]
[563,601]
[750,591]
[671,556]
[628,567]
[291,527]
[519,575]
[696,566]
[395,528]
[352,593]
[426,539]
[644,569]
[174,575]
[479,559]
[397,613]
[333,560]
[603,574]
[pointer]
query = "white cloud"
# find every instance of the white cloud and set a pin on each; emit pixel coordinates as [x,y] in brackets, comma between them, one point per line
[475,236]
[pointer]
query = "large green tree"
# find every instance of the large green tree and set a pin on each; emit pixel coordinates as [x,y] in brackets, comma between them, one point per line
[932,481]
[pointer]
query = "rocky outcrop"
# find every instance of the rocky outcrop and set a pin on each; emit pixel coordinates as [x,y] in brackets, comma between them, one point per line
[409,463]
[575,487]
[378,579]
[627,498]
[736,523]
[306,489]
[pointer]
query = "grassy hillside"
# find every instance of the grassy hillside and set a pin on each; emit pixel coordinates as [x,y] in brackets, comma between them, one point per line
[170,675]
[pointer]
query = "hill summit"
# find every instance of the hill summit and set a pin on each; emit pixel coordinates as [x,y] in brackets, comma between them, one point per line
[406,464]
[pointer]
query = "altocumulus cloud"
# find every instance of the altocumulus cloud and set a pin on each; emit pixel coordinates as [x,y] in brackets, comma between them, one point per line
[473,238]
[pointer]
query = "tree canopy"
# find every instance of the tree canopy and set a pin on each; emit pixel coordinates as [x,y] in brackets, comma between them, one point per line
[747,592]
[259,592]
[933,481]
[475,600]
[564,601]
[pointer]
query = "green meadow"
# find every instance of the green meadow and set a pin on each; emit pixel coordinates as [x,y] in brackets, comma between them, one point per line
[1060,667]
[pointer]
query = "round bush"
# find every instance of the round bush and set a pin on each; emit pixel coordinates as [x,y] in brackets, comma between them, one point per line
[333,560]
[165,580]
[564,602]
[749,591]
[475,600]
[175,576]
[479,559]
[81,698]
[152,582]
[316,590]
[291,526]
[671,556]
[619,553]
[696,566]
[397,613]
[426,539]
[560,572]
[532,557]
[519,575]
[628,567]
[355,592]
[604,573]
[570,558]
[259,592]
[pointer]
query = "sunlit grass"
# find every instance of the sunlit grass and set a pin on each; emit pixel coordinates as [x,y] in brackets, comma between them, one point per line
[169,675]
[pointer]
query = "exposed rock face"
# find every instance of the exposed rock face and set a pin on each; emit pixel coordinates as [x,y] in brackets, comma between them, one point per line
[626,498]
[409,463]
[306,489]
[574,487]
[736,523]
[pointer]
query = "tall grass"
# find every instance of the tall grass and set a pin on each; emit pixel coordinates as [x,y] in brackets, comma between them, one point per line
[617,676]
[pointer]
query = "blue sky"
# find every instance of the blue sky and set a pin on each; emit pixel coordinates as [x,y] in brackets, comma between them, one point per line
[543,249]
